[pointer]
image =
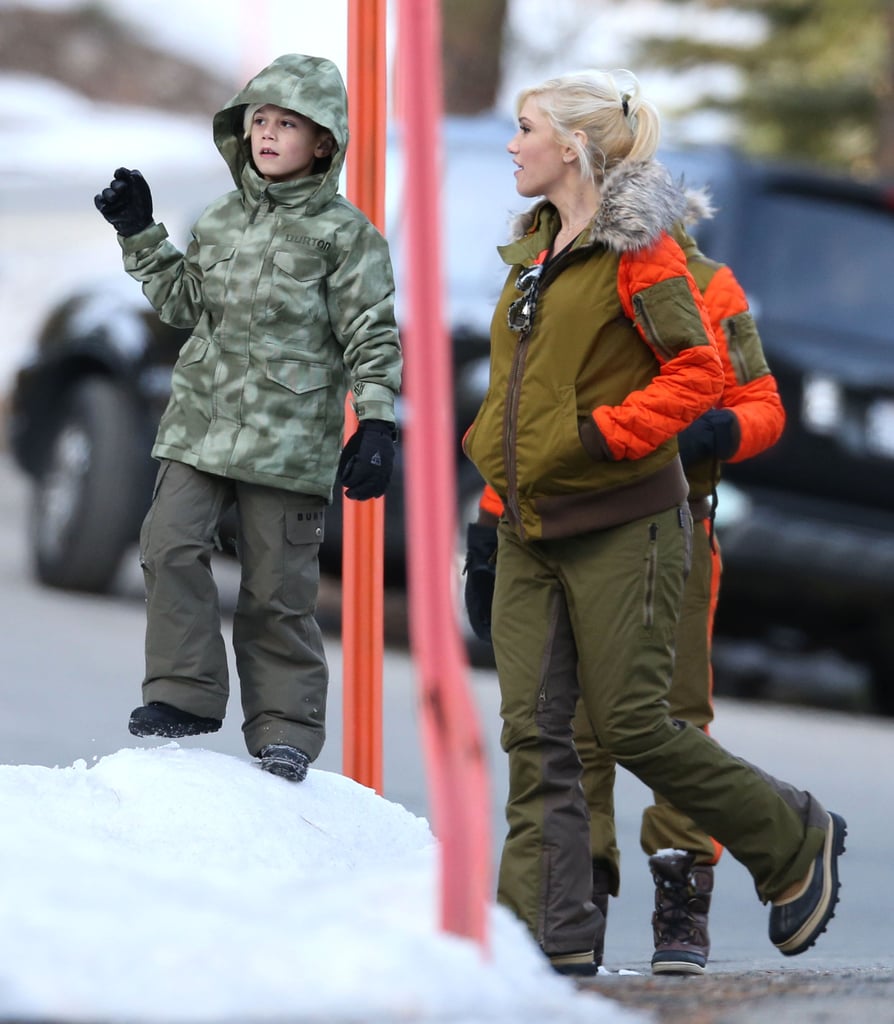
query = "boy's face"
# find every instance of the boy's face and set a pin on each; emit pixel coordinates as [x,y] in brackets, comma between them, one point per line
[284,144]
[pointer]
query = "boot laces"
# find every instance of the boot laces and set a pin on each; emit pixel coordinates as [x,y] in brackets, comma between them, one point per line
[675,905]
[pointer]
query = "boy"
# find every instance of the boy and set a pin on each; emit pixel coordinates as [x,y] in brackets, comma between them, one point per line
[289,292]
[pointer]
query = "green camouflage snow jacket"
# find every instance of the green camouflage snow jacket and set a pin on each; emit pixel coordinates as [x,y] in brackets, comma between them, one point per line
[289,292]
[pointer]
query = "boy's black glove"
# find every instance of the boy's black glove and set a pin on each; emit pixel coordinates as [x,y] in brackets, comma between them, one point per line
[127,203]
[481,575]
[367,460]
[714,435]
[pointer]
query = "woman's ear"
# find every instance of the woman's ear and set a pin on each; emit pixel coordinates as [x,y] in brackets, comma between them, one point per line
[571,154]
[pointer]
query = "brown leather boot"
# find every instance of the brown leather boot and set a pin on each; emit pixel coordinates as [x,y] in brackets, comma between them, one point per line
[680,922]
[603,880]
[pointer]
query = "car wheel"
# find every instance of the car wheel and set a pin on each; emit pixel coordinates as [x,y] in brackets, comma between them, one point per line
[91,490]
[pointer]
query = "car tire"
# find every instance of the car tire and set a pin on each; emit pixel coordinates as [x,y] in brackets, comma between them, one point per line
[91,490]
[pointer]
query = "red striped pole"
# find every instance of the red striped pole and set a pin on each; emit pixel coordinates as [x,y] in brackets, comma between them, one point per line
[452,742]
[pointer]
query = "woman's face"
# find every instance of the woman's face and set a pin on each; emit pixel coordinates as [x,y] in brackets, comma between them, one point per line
[540,160]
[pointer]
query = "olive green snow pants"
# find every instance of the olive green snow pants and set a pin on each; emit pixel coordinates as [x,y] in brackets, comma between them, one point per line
[277,643]
[689,698]
[594,616]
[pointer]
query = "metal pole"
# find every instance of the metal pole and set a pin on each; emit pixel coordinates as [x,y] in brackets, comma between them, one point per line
[363,522]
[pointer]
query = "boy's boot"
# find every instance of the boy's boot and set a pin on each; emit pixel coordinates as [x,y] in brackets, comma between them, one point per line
[602,886]
[680,922]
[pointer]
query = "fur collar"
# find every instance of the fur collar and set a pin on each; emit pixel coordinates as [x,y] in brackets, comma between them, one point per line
[639,201]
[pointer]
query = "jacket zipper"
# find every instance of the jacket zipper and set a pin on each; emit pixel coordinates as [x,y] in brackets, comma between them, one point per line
[510,454]
[651,577]
[514,392]
[648,325]
[265,200]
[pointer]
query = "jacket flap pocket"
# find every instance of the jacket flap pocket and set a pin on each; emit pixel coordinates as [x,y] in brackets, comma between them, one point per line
[303,266]
[305,525]
[209,255]
[298,375]
[193,351]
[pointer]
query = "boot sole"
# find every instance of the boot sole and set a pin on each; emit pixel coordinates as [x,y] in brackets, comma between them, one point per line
[284,768]
[677,967]
[818,921]
[169,730]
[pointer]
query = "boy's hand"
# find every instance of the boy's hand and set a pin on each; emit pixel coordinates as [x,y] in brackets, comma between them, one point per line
[127,203]
[367,460]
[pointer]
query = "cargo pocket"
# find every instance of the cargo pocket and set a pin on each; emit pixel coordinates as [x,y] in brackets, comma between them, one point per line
[650,577]
[743,345]
[305,529]
[215,263]
[146,528]
[297,295]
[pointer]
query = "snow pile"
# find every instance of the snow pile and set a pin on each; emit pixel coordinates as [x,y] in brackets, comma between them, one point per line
[181,884]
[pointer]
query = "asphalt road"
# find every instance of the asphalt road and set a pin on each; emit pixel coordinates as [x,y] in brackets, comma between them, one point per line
[71,667]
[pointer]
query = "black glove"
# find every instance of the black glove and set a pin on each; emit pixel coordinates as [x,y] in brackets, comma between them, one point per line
[714,435]
[367,460]
[481,575]
[127,203]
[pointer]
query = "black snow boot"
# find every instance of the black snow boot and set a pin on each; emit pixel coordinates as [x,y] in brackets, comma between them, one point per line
[287,762]
[158,719]
[680,922]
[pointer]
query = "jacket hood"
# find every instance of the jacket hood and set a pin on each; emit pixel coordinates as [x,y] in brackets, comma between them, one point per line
[639,201]
[699,206]
[311,86]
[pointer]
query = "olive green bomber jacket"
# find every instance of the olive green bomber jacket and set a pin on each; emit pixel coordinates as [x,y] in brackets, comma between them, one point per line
[577,430]
[289,292]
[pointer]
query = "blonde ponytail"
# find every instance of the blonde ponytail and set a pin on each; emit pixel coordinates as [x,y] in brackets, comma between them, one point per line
[607,111]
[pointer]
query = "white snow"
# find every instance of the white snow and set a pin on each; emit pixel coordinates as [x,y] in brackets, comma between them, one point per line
[172,884]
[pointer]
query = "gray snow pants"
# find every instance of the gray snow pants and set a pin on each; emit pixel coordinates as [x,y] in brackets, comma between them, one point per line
[277,643]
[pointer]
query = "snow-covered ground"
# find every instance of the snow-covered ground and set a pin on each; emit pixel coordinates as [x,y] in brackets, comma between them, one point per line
[170,884]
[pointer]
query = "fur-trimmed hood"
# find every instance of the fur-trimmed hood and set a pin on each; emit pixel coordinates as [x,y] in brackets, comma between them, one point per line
[639,201]
[699,205]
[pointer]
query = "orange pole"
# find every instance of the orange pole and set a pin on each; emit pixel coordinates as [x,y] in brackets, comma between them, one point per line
[452,741]
[363,522]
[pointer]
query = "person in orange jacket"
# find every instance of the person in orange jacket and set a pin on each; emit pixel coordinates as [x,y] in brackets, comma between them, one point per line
[746,420]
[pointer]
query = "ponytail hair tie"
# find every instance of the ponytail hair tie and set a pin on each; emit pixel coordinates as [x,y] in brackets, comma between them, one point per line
[625,103]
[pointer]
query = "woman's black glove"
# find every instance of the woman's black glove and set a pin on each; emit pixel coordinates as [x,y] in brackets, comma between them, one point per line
[367,460]
[714,435]
[481,575]
[127,203]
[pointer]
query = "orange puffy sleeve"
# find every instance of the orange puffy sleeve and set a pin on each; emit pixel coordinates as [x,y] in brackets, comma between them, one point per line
[659,295]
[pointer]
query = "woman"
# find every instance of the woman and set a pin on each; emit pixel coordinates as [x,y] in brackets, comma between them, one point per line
[601,353]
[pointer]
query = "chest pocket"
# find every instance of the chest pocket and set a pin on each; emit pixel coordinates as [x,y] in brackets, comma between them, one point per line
[297,292]
[215,262]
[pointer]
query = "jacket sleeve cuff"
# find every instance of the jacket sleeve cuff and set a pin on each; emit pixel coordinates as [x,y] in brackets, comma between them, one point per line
[373,402]
[148,238]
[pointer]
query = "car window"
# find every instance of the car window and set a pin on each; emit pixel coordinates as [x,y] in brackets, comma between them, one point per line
[805,240]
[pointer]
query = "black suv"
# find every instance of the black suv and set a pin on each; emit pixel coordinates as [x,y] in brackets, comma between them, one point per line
[808,551]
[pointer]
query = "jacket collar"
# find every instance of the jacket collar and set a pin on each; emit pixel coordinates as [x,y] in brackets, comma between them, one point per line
[279,193]
[639,202]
